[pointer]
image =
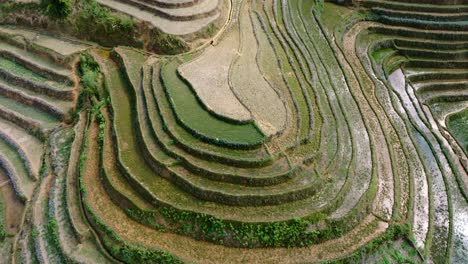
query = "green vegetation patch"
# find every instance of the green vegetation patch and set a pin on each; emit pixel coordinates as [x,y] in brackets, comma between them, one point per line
[3,232]
[163,43]
[97,23]
[59,9]
[197,119]
[380,55]
[89,71]
[458,126]
[382,246]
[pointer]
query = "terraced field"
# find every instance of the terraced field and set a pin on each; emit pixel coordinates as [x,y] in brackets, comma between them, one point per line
[172,17]
[300,132]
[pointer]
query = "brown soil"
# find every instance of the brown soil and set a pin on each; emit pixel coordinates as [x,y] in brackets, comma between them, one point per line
[13,207]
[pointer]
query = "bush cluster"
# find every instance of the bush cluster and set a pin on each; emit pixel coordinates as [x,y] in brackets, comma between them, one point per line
[88,71]
[58,9]
[3,232]
[98,23]
[162,43]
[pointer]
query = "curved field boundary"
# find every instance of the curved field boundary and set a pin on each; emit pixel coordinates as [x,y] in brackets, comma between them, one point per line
[367,161]
[206,8]
[436,156]
[204,254]
[190,115]
[33,63]
[248,83]
[213,88]
[167,26]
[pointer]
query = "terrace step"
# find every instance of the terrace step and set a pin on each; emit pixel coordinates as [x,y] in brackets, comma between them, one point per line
[174,197]
[382,55]
[12,164]
[117,185]
[13,145]
[290,64]
[161,192]
[75,250]
[165,25]
[19,75]
[355,189]
[431,63]
[173,3]
[72,194]
[409,6]
[278,171]
[65,237]
[411,32]
[103,208]
[57,108]
[424,24]
[427,54]
[300,187]
[421,15]
[394,62]
[178,178]
[158,100]
[32,147]
[45,252]
[434,2]
[34,63]
[187,142]
[444,96]
[54,47]
[199,122]
[426,44]
[72,248]
[204,9]
[34,121]
[441,85]
[421,75]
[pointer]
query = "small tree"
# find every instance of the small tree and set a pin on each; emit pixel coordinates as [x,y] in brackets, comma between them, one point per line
[58,9]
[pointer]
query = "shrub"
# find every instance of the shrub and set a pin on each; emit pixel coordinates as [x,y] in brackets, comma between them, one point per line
[89,74]
[162,43]
[97,23]
[3,232]
[58,9]
[12,7]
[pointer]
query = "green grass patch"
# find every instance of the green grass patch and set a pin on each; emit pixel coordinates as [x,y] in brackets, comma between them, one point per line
[380,246]
[7,7]
[198,120]
[52,236]
[3,232]
[381,54]
[333,14]
[458,126]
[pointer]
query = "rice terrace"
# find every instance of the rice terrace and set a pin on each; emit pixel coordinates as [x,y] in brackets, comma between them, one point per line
[233,131]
